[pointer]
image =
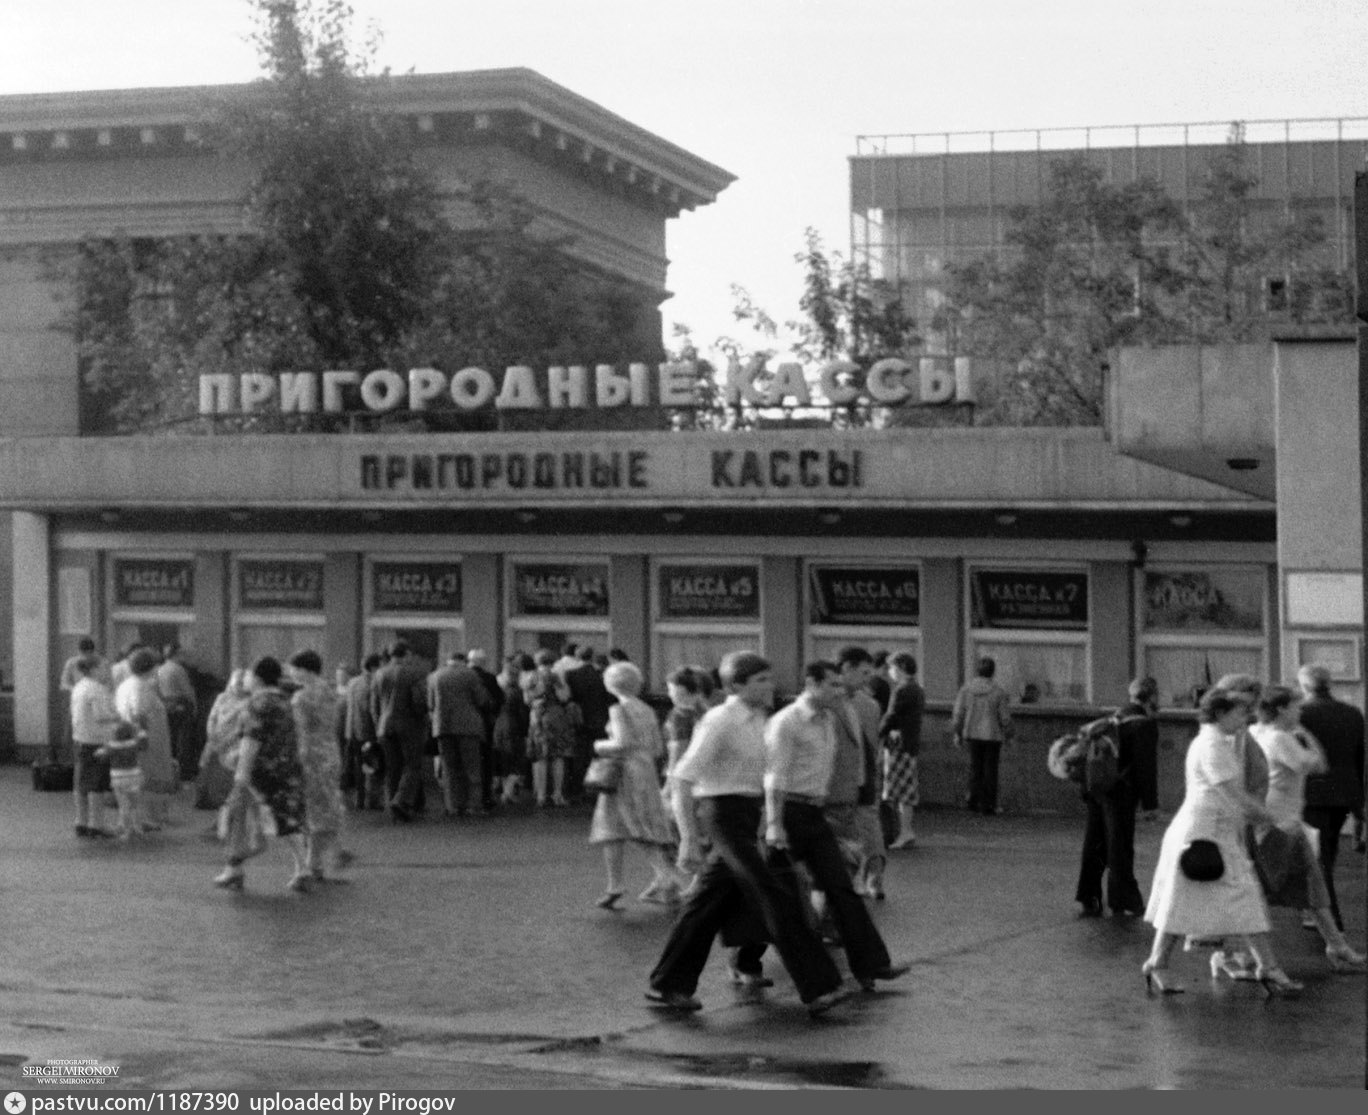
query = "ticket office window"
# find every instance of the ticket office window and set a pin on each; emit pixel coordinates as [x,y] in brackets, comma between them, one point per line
[877,607]
[278,606]
[152,601]
[418,601]
[702,611]
[1033,622]
[551,603]
[1197,623]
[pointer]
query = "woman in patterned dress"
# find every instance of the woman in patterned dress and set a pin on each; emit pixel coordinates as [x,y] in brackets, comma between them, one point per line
[635,812]
[267,778]
[314,705]
[551,728]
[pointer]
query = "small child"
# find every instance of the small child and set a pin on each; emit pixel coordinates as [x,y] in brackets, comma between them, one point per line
[126,778]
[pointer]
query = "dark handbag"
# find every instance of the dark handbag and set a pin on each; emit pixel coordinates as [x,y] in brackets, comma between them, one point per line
[604,775]
[52,777]
[1201,862]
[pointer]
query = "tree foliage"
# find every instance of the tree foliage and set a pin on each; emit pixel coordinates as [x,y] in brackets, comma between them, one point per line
[1085,271]
[843,313]
[351,260]
[1099,265]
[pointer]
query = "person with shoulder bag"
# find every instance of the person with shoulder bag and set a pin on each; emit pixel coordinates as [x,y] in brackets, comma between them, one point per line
[1109,835]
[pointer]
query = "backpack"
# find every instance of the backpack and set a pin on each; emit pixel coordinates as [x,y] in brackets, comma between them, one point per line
[1100,768]
[1090,756]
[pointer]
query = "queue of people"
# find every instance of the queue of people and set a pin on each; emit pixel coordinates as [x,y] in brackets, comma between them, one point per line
[760,827]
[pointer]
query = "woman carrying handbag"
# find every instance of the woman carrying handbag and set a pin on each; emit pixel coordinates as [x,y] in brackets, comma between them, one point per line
[633,811]
[1215,809]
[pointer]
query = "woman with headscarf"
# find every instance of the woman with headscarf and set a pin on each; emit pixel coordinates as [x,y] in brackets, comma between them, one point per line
[268,779]
[1293,754]
[314,704]
[1216,807]
[139,702]
[221,735]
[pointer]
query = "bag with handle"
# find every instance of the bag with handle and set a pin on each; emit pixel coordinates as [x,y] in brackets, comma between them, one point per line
[604,775]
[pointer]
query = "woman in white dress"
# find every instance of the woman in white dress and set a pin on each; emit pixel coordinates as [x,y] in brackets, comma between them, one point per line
[138,701]
[1216,807]
[635,812]
[1292,755]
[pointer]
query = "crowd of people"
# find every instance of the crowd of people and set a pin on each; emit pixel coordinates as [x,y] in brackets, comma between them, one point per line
[760,826]
[1270,780]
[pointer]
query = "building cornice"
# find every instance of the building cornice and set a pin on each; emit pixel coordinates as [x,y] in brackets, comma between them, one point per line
[514,107]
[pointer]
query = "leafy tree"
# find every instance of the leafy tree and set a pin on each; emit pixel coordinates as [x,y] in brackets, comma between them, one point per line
[1083,272]
[1244,268]
[350,261]
[1098,265]
[845,313]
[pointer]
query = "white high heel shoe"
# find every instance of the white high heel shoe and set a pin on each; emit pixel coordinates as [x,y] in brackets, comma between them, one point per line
[1342,958]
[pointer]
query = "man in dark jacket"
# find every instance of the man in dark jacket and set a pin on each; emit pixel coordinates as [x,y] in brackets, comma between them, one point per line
[1332,796]
[478,661]
[457,701]
[1109,837]
[358,732]
[588,692]
[399,706]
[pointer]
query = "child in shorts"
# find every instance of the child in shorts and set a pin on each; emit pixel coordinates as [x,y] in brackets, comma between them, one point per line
[126,778]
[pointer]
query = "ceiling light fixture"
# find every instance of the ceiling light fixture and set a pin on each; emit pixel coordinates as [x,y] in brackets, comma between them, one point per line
[674,518]
[1005,518]
[526,517]
[829,518]
[1181,520]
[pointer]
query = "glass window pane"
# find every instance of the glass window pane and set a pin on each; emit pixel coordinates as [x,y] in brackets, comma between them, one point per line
[827,646]
[699,648]
[1051,672]
[278,640]
[1184,673]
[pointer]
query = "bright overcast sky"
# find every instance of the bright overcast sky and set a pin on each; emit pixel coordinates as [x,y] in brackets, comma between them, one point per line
[775,91]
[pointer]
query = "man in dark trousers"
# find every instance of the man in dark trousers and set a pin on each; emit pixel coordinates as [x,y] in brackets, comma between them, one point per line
[588,692]
[399,706]
[720,787]
[1109,836]
[358,731]
[478,661]
[457,702]
[1332,796]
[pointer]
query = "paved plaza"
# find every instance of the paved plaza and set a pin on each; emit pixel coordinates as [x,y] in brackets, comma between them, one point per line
[469,954]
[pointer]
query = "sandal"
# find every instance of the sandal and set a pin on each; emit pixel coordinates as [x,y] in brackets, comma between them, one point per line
[610,900]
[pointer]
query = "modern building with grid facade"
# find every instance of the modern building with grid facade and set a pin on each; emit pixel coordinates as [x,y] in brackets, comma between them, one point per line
[920,202]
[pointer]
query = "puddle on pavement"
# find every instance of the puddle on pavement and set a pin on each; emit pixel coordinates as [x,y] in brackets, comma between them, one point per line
[751,1067]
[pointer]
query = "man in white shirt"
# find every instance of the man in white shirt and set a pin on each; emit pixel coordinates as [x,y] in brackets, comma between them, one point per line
[93,720]
[800,749]
[722,777]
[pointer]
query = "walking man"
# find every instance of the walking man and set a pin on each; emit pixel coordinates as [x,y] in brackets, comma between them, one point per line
[1333,795]
[399,707]
[457,700]
[722,777]
[801,742]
